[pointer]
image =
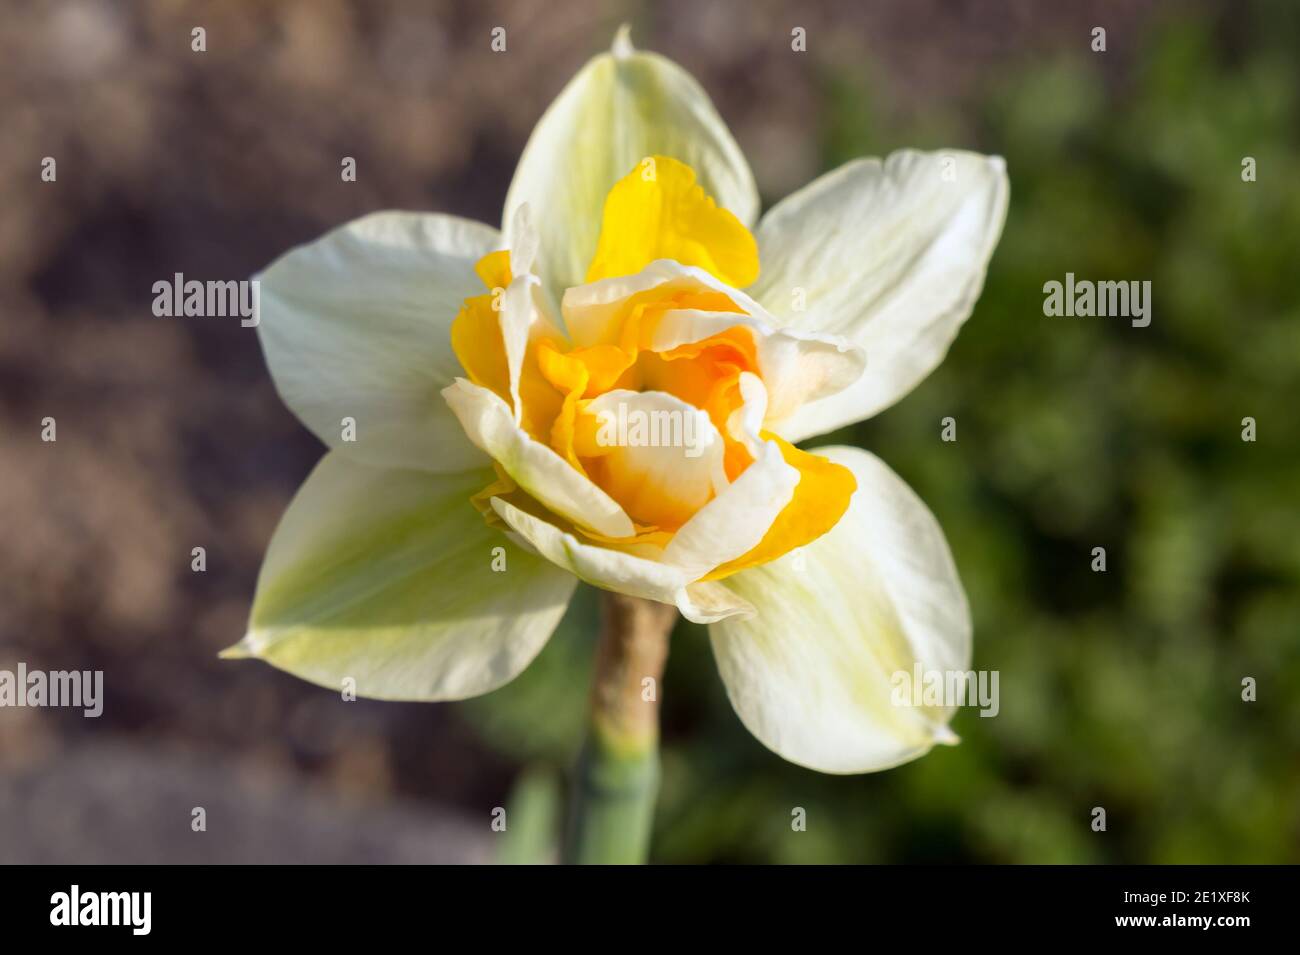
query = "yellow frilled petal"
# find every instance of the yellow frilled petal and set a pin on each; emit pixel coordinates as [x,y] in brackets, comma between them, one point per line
[579,374]
[503,486]
[494,269]
[476,331]
[476,339]
[659,211]
[820,500]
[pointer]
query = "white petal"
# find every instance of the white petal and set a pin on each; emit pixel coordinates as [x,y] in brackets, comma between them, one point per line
[746,422]
[797,366]
[811,673]
[710,601]
[594,312]
[516,319]
[735,521]
[623,573]
[665,454]
[614,113]
[545,475]
[525,313]
[890,256]
[386,577]
[523,247]
[524,317]
[358,325]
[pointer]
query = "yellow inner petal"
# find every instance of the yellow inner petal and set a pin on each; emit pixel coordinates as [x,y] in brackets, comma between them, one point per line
[494,269]
[476,340]
[581,373]
[659,211]
[820,499]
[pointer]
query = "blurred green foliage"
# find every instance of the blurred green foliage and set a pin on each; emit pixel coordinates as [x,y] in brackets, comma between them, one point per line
[1119,689]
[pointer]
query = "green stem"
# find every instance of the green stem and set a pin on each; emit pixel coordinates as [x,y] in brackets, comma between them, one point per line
[618,772]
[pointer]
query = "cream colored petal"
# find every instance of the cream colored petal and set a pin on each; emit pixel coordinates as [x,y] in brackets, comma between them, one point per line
[525,317]
[540,471]
[594,312]
[890,256]
[524,241]
[525,310]
[796,366]
[388,583]
[357,325]
[623,573]
[813,673]
[621,107]
[746,422]
[663,457]
[735,521]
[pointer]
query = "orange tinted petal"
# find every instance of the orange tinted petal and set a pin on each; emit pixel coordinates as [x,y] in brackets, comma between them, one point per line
[707,375]
[820,500]
[542,403]
[581,373]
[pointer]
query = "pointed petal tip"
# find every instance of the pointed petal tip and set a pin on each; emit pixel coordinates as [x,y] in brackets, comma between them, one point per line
[944,736]
[622,47]
[458,384]
[243,650]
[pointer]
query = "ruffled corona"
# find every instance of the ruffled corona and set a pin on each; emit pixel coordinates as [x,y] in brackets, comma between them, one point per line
[644,428]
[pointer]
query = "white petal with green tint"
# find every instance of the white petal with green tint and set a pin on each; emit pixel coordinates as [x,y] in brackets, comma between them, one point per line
[386,577]
[891,256]
[810,674]
[357,325]
[622,107]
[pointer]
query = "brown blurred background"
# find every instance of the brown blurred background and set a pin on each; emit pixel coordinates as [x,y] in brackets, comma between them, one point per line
[170,435]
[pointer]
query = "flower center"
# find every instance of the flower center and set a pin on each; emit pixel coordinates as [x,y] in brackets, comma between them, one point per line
[655,394]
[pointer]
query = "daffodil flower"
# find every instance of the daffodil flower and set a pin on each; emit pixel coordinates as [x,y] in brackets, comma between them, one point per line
[508,396]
